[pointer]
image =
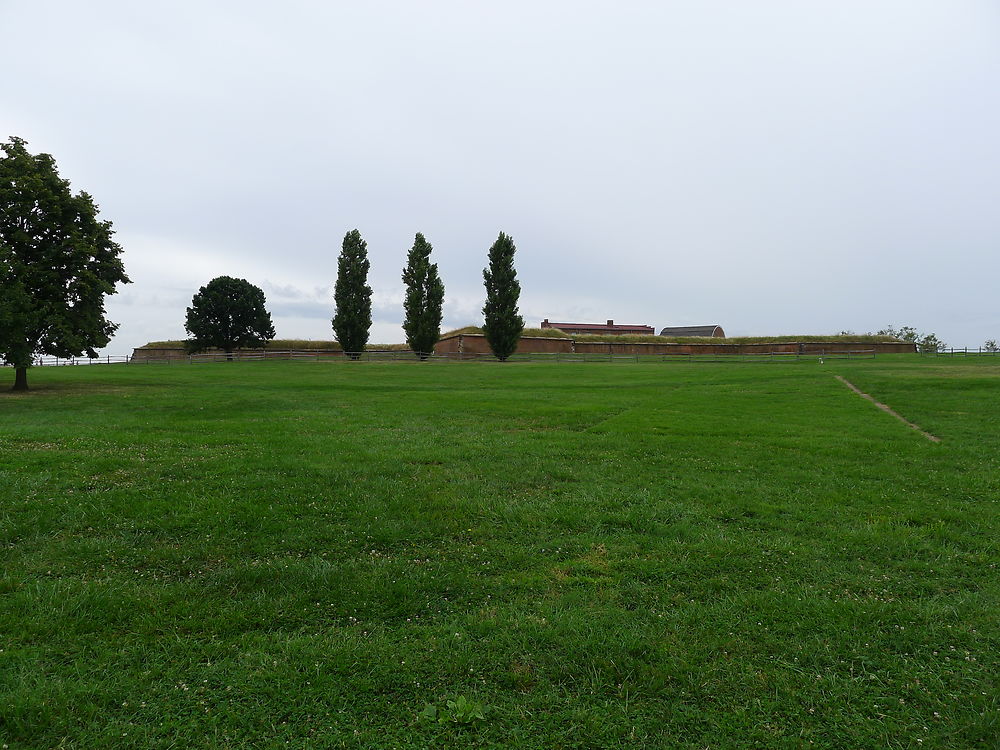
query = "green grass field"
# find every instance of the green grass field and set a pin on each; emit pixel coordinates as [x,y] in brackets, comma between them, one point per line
[307,555]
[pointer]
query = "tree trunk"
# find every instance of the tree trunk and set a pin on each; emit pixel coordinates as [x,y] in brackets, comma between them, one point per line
[20,379]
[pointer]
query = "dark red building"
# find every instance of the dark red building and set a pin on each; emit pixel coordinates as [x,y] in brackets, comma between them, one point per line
[606,329]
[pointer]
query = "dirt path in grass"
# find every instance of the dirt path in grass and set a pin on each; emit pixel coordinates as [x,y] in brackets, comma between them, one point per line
[883,407]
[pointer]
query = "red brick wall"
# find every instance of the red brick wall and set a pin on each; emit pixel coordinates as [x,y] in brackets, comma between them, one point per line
[475,343]
[471,343]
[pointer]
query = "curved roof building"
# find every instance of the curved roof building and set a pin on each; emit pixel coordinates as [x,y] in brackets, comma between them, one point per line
[712,331]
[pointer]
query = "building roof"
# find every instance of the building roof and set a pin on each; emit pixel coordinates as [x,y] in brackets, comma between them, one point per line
[712,331]
[609,327]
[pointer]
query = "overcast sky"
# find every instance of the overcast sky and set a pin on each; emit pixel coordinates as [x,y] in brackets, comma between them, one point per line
[774,166]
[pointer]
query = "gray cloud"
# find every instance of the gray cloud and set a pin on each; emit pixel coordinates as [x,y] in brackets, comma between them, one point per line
[776,167]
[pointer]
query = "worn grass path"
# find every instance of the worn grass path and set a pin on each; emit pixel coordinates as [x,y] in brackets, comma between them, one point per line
[604,555]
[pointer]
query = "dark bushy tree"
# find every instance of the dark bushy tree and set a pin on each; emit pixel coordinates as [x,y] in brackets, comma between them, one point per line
[502,324]
[228,314]
[926,342]
[57,262]
[424,298]
[352,297]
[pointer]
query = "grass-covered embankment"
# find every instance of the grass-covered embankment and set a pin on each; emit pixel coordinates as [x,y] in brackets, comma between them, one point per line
[310,344]
[606,555]
[630,338]
[284,345]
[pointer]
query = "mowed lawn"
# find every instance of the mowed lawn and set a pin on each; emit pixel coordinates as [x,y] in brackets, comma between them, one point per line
[307,555]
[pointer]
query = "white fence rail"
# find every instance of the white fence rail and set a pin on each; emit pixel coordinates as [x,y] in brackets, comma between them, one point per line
[409,356]
[64,361]
[965,352]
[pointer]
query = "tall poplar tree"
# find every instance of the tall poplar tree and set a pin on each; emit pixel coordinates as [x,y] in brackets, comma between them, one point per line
[502,324]
[352,297]
[424,298]
[58,261]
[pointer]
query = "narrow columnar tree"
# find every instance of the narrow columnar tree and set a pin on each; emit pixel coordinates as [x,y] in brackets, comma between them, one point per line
[502,324]
[228,314]
[352,297]
[57,263]
[424,298]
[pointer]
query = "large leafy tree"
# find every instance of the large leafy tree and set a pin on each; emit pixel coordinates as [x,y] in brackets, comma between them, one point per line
[502,324]
[352,297]
[927,342]
[424,298]
[57,263]
[228,314]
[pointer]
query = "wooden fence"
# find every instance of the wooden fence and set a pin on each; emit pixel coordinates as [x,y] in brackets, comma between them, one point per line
[965,352]
[410,356]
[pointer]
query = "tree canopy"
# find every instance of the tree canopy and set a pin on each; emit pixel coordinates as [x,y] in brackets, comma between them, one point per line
[502,325]
[424,298]
[926,342]
[352,297]
[57,263]
[228,314]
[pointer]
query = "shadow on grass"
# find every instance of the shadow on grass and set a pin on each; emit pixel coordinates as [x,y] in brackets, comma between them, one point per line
[59,389]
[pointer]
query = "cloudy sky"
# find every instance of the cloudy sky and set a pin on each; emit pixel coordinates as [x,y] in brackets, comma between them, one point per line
[775,166]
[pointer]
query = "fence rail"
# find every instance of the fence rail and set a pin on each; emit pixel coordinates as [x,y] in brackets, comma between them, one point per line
[735,357]
[965,352]
[410,356]
[380,355]
[64,361]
